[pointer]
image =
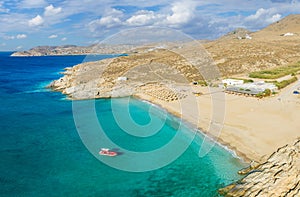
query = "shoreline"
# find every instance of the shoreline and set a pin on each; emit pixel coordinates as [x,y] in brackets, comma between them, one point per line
[200,131]
[234,152]
[253,128]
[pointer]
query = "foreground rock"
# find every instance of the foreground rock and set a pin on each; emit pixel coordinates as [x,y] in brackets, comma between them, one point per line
[278,176]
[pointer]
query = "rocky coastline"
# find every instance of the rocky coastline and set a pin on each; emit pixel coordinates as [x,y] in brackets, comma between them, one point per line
[279,175]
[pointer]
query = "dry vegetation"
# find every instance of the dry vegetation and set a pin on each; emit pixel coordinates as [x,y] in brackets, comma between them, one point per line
[267,49]
[276,73]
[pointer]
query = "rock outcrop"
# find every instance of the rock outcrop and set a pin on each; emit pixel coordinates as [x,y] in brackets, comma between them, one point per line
[239,33]
[278,176]
[143,71]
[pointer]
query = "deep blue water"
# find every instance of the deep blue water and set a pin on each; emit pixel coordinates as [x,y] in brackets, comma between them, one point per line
[42,153]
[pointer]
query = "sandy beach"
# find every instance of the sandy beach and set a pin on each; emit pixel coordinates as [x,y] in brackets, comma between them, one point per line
[253,128]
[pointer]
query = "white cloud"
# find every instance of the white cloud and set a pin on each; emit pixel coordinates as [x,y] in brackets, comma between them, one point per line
[274,18]
[110,20]
[201,19]
[21,36]
[3,44]
[53,36]
[143,17]
[262,18]
[64,39]
[182,12]
[260,13]
[19,47]
[51,10]
[107,21]
[32,4]
[36,21]
[113,12]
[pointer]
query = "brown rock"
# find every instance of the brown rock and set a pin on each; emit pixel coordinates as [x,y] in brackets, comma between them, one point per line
[278,176]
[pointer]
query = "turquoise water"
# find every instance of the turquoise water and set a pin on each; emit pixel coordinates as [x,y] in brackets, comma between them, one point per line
[42,153]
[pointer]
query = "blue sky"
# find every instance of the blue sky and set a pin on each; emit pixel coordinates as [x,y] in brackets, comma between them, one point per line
[28,23]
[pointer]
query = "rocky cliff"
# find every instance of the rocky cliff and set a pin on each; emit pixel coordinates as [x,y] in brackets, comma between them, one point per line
[278,176]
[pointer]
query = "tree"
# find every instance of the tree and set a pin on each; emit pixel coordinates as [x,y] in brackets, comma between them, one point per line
[267,92]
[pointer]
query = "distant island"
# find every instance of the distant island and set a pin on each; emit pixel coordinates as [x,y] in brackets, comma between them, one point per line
[73,50]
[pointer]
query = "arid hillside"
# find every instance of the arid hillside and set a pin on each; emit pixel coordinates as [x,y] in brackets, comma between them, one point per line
[276,45]
[290,24]
[238,52]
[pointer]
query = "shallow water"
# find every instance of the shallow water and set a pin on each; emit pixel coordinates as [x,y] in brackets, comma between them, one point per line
[42,153]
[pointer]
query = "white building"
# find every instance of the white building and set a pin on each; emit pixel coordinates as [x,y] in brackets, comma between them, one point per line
[288,34]
[122,79]
[253,88]
[248,37]
[232,82]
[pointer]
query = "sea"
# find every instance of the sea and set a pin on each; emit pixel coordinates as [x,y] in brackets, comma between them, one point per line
[44,152]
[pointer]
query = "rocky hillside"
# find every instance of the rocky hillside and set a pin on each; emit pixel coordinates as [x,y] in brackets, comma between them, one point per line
[238,52]
[289,24]
[264,49]
[100,79]
[239,33]
[278,176]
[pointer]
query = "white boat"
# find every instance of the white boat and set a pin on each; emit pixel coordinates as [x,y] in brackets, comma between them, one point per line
[107,152]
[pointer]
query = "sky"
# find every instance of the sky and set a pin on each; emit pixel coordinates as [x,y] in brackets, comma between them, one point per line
[28,23]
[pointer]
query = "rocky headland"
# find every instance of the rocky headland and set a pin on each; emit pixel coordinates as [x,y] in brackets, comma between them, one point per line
[279,175]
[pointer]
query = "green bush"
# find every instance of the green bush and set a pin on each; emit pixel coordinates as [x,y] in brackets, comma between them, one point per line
[260,95]
[276,72]
[267,92]
[285,83]
[202,83]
